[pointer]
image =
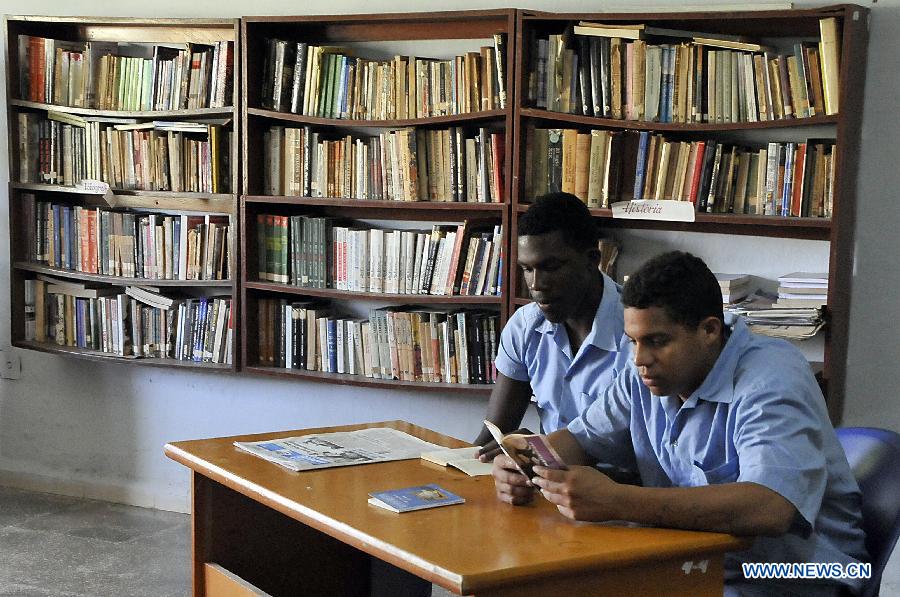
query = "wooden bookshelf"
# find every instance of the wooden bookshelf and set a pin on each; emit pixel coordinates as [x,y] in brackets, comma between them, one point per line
[213,99]
[378,38]
[774,28]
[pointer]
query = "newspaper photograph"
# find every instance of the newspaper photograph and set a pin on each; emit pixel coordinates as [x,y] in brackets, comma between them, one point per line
[343,448]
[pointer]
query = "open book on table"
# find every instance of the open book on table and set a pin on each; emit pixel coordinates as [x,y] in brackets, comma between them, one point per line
[527,451]
[464,459]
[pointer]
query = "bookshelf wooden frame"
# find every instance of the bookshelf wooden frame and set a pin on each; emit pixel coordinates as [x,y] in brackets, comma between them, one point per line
[123,30]
[838,230]
[350,29]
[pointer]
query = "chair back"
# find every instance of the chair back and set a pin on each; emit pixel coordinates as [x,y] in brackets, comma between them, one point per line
[874,457]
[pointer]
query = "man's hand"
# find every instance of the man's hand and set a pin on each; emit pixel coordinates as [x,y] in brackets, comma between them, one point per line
[512,486]
[580,493]
[490,450]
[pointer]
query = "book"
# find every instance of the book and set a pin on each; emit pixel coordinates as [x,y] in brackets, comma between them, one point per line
[604,30]
[464,459]
[829,55]
[729,281]
[536,451]
[419,497]
[805,278]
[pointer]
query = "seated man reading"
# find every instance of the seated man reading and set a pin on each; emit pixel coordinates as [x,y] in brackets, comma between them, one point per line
[567,346]
[728,431]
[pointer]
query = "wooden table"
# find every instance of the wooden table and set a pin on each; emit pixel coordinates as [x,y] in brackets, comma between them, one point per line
[313,533]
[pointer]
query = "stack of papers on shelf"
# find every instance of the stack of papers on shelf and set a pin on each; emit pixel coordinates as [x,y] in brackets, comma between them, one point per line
[342,448]
[414,498]
[734,287]
[765,317]
[803,289]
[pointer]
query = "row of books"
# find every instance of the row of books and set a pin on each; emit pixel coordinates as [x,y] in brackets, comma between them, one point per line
[118,76]
[462,259]
[586,164]
[782,179]
[65,149]
[402,165]
[611,71]
[601,167]
[406,344]
[329,82]
[111,321]
[132,245]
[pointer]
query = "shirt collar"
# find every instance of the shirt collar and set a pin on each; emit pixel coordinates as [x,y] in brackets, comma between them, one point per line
[719,383]
[609,323]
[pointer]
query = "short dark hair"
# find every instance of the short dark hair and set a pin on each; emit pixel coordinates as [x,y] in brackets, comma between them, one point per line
[679,283]
[564,212]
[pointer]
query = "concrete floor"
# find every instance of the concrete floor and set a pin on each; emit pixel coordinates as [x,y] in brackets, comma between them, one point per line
[68,547]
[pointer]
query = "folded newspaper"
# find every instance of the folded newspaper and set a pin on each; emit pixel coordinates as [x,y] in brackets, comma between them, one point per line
[341,448]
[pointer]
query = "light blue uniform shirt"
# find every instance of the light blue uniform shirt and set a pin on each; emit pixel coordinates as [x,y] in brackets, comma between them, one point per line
[758,416]
[535,350]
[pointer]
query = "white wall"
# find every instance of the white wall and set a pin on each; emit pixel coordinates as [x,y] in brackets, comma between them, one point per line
[98,430]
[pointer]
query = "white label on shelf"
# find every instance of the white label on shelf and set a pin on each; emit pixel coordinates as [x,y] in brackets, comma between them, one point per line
[94,187]
[647,209]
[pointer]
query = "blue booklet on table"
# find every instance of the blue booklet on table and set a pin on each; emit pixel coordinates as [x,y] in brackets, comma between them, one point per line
[414,498]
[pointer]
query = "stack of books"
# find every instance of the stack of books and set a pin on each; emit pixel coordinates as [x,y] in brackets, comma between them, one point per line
[734,287]
[803,289]
[764,316]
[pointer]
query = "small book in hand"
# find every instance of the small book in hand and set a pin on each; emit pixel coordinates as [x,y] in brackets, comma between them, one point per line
[414,498]
[536,451]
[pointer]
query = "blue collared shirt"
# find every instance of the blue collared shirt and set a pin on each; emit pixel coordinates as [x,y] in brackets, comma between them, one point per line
[535,350]
[758,417]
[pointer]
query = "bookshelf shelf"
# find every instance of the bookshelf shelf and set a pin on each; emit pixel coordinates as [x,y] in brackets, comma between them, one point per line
[369,204]
[101,357]
[698,127]
[82,62]
[398,299]
[161,195]
[118,280]
[467,118]
[358,380]
[396,144]
[775,226]
[186,114]
[781,67]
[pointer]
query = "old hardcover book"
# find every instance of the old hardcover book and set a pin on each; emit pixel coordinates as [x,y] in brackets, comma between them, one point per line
[569,150]
[596,163]
[829,53]
[554,160]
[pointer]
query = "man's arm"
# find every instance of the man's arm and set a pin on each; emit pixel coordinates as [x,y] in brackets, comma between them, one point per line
[508,403]
[583,493]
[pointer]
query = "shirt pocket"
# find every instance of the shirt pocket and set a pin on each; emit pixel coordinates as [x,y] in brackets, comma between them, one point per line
[725,473]
[583,402]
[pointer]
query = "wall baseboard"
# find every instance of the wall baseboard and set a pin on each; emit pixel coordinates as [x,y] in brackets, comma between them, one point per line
[132,495]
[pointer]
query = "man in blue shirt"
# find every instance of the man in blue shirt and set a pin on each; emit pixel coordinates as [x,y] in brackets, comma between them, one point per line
[564,348]
[728,431]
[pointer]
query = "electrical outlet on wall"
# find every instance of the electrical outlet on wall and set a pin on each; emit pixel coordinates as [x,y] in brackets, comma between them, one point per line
[10,365]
